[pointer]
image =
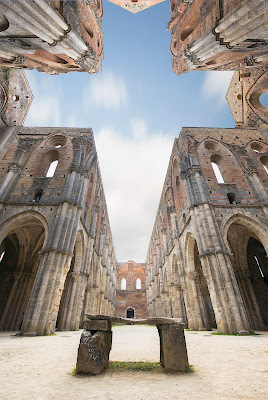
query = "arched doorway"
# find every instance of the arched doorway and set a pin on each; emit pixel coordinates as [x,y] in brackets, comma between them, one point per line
[130,312]
[20,257]
[250,266]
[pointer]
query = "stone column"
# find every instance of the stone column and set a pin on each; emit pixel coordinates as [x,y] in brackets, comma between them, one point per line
[14,170]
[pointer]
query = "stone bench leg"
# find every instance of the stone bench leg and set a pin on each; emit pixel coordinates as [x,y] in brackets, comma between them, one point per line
[94,349]
[173,352]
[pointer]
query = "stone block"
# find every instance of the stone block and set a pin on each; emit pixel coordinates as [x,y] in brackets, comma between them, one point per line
[97,325]
[173,352]
[93,352]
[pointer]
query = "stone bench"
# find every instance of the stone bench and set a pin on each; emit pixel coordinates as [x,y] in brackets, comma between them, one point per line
[96,343]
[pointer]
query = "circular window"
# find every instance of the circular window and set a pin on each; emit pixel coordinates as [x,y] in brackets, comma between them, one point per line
[259,100]
[258,147]
[264,99]
[209,145]
[4,24]
[57,141]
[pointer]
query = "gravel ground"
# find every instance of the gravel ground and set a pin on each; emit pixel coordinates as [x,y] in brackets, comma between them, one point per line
[226,367]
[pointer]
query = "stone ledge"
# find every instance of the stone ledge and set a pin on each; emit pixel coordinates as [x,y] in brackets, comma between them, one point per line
[147,321]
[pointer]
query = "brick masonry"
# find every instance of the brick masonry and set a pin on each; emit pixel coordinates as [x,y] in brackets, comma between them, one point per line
[131,297]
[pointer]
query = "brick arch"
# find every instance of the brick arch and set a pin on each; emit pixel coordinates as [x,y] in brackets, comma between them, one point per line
[227,161]
[46,152]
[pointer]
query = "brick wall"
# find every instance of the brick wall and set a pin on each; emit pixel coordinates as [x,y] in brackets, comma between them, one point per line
[131,297]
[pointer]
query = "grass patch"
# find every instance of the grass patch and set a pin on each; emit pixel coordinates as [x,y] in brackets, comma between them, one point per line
[232,334]
[190,368]
[135,366]
[73,373]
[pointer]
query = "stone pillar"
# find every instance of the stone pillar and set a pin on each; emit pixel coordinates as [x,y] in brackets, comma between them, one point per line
[173,352]
[164,235]
[95,212]
[14,170]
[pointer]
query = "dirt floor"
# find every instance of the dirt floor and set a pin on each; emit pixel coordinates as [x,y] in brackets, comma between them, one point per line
[226,367]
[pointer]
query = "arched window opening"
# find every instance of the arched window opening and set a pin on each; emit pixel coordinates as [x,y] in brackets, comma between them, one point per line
[123,284]
[215,159]
[258,264]
[130,313]
[37,195]
[264,161]
[51,169]
[257,147]
[2,256]
[231,198]
[138,284]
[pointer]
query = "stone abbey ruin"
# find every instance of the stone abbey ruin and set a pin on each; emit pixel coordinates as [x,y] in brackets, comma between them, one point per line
[207,258]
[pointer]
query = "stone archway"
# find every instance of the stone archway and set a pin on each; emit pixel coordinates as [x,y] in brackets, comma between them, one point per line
[71,303]
[202,316]
[250,266]
[23,237]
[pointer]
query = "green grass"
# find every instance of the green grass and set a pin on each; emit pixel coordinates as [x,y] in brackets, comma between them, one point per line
[190,368]
[73,373]
[232,334]
[135,366]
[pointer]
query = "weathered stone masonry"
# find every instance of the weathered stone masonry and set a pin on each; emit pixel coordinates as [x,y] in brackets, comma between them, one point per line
[51,36]
[207,258]
[58,255]
[218,35]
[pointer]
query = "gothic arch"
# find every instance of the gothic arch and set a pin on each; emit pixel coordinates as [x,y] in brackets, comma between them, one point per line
[247,240]
[73,292]
[252,224]
[22,239]
[202,312]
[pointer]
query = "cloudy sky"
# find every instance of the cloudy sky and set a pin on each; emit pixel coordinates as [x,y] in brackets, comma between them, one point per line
[136,107]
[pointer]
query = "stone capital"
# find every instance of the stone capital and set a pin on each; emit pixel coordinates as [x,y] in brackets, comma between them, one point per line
[14,167]
[193,275]
[251,170]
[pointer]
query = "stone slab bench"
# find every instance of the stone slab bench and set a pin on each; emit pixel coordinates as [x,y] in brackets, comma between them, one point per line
[96,343]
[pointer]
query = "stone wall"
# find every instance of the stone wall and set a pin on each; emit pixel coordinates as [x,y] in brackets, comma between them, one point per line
[218,35]
[131,297]
[207,261]
[135,6]
[52,36]
[58,260]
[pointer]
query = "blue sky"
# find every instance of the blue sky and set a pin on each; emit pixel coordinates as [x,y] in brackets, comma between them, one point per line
[136,107]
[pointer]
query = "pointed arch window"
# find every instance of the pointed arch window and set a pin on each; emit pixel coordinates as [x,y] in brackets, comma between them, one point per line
[264,161]
[138,284]
[51,169]
[215,162]
[2,256]
[123,284]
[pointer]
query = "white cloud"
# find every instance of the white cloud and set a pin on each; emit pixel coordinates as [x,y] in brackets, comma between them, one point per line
[215,86]
[45,109]
[106,90]
[133,170]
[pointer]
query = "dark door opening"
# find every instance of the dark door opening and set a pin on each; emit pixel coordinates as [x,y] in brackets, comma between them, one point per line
[130,313]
